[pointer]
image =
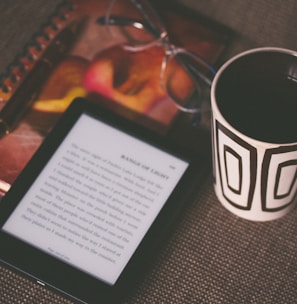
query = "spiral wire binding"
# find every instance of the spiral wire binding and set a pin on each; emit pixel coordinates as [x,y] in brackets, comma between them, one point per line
[17,71]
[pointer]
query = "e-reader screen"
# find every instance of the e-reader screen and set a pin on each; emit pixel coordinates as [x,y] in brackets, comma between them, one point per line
[96,197]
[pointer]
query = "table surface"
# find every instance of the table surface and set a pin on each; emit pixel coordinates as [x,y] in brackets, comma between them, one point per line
[211,256]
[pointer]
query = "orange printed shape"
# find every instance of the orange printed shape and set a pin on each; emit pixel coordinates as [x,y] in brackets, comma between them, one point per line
[130,78]
[59,105]
[64,84]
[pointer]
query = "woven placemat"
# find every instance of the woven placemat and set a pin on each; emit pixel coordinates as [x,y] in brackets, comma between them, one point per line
[258,23]
[211,256]
[216,257]
[14,289]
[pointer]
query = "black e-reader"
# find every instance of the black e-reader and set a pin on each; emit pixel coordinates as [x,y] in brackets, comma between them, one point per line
[93,203]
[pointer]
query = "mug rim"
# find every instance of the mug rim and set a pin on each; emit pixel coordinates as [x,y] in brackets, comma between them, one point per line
[214,104]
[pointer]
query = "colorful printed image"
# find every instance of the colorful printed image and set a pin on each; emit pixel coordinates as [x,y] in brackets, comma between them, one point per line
[100,68]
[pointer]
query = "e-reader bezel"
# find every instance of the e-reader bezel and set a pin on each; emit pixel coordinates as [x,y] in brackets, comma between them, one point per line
[65,278]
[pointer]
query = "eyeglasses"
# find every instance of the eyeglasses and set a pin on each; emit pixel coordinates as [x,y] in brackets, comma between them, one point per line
[185,76]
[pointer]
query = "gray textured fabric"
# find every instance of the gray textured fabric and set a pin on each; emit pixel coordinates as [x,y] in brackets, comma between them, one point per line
[257,23]
[19,21]
[211,256]
[215,257]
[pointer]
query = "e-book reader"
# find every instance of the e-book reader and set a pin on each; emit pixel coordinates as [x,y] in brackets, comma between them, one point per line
[92,204]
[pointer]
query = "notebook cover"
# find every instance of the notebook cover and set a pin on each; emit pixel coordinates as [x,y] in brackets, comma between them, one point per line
[95,52]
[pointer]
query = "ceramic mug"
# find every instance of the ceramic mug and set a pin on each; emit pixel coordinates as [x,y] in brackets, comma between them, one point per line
[254,133]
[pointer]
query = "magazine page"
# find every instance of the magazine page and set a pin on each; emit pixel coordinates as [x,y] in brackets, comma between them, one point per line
[99,68]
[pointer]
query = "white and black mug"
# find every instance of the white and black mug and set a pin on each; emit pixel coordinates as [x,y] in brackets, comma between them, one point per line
[254,133]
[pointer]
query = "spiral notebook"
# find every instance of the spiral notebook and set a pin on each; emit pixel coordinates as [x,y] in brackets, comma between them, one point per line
[94,55]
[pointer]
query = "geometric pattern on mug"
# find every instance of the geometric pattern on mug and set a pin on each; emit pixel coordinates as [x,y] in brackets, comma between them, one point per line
[279,178]
[213,155]
[237,166]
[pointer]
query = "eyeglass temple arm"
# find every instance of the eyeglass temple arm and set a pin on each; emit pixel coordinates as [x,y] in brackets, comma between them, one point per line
[194,71]
[122,21]
[154,28]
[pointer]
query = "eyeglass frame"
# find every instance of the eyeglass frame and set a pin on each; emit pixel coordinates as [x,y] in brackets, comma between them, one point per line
[161,39]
